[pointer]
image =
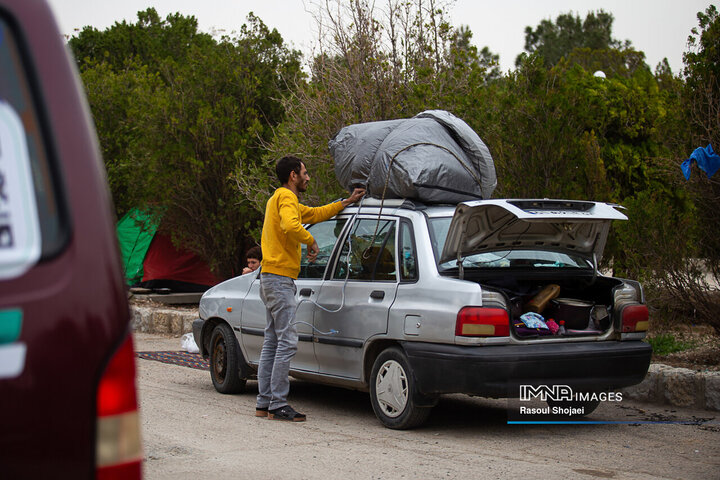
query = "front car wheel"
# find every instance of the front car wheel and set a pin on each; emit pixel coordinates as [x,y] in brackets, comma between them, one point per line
[225,360]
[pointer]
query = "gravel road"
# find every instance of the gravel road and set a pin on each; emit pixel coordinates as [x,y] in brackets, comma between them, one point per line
[190,431]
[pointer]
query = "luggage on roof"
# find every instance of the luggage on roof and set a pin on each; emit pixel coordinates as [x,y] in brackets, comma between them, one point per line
[433,157]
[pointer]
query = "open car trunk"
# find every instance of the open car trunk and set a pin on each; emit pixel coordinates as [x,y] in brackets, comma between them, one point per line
[584,306]
[543,256]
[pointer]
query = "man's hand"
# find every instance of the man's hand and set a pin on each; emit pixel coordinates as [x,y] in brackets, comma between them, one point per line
[312,252]
[357,194]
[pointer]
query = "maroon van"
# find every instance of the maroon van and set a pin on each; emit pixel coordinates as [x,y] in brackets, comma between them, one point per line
[68,402]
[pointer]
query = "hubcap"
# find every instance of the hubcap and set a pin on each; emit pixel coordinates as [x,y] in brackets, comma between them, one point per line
[391,388]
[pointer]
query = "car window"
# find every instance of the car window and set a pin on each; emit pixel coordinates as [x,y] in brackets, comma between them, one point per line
[32,224]
[326,235]
[369,252]
[408,262]
[439,228]
[520,258]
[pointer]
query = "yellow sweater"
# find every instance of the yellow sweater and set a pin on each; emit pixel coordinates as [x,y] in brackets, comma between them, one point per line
[283,231]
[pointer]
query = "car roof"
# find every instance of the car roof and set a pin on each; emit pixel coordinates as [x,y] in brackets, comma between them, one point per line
[392,206]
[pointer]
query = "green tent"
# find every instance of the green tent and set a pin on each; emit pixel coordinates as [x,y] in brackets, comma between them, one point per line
[135,231]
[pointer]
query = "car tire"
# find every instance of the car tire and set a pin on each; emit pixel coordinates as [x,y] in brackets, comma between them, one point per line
[392,391]
[589,406]
[225,360]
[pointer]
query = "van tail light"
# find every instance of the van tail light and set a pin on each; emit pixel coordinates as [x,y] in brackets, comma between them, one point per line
[635,318]
[482,322]
[118,445]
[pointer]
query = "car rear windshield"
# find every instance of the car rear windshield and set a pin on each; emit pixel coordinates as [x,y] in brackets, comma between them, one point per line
[512,258]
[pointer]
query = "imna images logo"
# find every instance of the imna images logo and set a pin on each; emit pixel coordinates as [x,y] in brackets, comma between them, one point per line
[564,393]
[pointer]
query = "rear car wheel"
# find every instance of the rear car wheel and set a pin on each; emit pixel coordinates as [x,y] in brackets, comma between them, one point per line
[225,360]
[392,389]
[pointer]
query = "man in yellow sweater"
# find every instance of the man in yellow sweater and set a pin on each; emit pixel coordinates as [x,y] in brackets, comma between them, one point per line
[282,235]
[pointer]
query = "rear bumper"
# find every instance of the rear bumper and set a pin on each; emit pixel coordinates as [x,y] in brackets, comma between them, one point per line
[498,371]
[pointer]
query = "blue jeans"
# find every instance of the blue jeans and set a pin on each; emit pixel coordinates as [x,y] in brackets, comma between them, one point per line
[280,341]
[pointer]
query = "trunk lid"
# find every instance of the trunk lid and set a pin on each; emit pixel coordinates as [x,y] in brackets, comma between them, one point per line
[566,226]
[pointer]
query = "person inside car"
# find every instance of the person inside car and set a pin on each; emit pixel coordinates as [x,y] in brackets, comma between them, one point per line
[253,257]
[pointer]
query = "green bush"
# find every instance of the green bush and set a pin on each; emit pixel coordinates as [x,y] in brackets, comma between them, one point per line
[666,343]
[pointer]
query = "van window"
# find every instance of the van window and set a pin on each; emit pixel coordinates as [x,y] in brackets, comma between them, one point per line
[32,224]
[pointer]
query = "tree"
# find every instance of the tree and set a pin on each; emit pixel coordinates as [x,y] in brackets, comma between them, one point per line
[672,241]
[563,133]
[112,96]
[372,64]
[462,50]
[555,40]
[177,112]
[701,96]
[151,41]
[702,75]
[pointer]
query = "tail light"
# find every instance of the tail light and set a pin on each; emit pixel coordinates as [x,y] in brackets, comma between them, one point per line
[118,447]
[482,322]
[635,318]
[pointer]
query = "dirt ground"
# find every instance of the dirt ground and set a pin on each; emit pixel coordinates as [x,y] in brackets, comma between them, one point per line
[190,431]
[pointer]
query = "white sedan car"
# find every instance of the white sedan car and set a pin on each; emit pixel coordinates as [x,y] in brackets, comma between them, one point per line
[408,302]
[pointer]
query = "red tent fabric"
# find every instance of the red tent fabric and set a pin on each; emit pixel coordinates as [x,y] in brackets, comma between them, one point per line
[165,262]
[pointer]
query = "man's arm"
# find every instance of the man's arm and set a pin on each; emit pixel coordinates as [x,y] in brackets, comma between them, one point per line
[320,214]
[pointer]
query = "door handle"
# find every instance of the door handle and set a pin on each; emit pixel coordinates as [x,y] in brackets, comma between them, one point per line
[306,292]
[377,294]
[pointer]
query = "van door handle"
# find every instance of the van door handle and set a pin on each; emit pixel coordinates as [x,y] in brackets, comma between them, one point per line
[377,294]
[306,292]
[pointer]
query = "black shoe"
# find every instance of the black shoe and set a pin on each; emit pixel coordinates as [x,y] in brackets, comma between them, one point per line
[286,413]
[261,411]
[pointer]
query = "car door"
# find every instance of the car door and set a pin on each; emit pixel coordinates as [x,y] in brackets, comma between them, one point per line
[354,301]
[308,285]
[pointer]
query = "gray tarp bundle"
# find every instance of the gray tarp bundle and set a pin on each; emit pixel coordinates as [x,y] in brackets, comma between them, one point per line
[433,157]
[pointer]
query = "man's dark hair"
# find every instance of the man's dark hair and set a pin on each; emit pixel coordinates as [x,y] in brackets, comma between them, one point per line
[286,165]
[255,253]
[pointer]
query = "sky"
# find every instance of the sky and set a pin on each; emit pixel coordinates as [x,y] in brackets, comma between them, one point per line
[657,27]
